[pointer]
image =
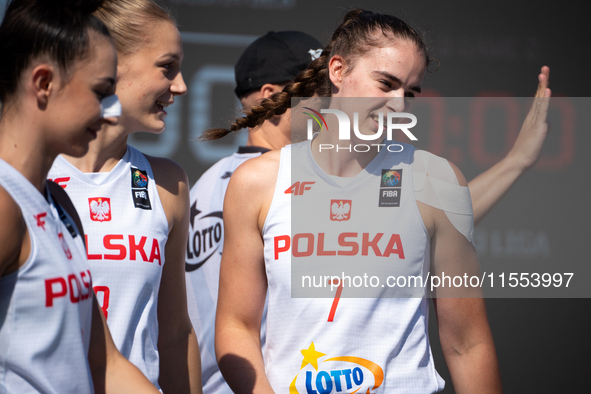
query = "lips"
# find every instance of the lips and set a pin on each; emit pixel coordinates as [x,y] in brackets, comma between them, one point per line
[376,118]
[162,104]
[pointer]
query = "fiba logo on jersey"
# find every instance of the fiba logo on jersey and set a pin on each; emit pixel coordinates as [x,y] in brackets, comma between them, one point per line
[391,178]
[100,209]
[390,188]
[344,374]
[139,189]
[340,210]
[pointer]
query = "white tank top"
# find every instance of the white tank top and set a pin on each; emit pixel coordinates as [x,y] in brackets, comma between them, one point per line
[126,232]
[375,344]
[203,257]
[45,306]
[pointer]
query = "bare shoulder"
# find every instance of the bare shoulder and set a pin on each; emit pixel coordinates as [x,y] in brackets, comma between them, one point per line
[252,185]
[173,188]
[12,233]
[257,176]
[167,172]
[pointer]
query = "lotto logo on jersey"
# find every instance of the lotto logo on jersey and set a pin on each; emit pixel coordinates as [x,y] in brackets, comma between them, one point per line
[340,210]
[100,209]
[321,374]
[205,237]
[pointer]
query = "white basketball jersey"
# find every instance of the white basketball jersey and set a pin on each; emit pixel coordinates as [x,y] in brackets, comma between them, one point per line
[45,306]
[126,232]
[203,257]
[364,345]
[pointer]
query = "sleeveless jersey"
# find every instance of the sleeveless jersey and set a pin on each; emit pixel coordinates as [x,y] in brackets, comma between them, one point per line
[330,345]
[45,306]
[126,232]
[203,257]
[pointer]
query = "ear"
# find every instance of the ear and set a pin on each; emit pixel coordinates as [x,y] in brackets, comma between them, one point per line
[269,89]
[336,70]
[43,82]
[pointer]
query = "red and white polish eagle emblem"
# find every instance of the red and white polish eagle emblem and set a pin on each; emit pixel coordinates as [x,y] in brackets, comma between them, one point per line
[100,209]
[340,210]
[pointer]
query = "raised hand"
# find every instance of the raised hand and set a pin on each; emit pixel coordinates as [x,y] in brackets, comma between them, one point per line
[528,145]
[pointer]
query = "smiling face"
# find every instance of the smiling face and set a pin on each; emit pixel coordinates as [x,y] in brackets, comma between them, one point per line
[73,115]
[150,78]
[388,74]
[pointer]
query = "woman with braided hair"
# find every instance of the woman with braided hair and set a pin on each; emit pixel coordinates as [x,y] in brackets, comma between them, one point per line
[275,220]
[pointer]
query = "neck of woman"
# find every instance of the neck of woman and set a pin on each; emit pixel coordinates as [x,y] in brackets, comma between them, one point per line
[104,152]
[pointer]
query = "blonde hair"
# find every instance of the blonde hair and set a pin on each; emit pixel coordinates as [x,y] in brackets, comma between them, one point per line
[127,21]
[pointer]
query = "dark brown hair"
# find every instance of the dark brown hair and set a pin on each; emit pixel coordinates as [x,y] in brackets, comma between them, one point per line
[58,30]
[354,38]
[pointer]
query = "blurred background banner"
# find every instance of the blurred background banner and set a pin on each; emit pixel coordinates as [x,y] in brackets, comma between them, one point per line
[483,49]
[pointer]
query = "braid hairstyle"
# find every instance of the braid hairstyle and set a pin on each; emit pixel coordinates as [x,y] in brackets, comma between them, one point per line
[354,38]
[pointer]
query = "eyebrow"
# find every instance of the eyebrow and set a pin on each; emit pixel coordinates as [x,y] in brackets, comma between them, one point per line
[416,88]
[174,56]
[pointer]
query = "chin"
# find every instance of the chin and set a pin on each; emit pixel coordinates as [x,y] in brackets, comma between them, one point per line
[157,126]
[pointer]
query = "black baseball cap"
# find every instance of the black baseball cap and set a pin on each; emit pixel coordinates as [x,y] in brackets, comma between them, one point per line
[276,57]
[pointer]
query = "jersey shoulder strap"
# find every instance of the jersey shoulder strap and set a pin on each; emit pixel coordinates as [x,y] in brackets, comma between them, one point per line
[61,198]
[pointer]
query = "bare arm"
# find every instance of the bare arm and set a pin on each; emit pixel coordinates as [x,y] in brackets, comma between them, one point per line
[111,372]
[488,188]
[180,362]
[13,233]
[464,331]
[243,282]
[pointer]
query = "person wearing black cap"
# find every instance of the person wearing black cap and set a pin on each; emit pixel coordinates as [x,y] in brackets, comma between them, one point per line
[267,65]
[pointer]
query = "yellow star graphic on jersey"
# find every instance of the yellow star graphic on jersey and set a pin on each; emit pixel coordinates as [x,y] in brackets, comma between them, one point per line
[311,356]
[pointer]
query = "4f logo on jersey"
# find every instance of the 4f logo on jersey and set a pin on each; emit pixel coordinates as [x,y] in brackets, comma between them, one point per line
[390,188]
[100,209]
[40,218]
[139,189]
[340,210]
[320,374]
[63,182]
[298,188]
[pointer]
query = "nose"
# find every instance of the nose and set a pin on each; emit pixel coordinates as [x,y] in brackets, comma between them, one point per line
[178,87]
[396,102]
[110,120]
